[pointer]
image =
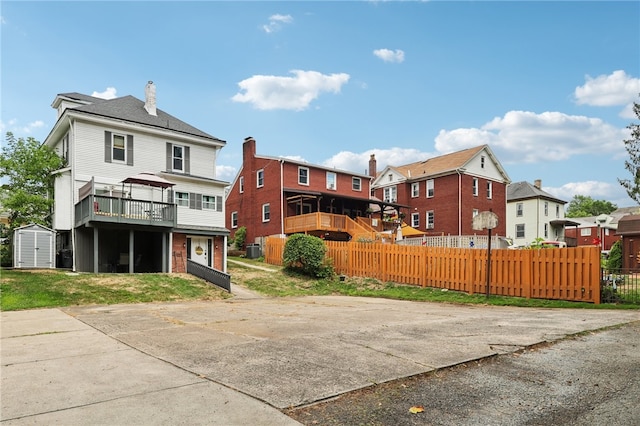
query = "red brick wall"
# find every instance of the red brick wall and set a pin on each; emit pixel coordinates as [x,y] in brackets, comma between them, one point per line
[449,209]
[179,253]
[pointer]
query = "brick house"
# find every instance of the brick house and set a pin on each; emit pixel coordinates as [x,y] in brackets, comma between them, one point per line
[595,230]
[139,191]
[280,196]
[441,195]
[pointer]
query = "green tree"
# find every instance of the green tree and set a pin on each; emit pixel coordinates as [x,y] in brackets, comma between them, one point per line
[632,165]
[27,167]
[239,238]
[306,253]
[584,205]
[615,256]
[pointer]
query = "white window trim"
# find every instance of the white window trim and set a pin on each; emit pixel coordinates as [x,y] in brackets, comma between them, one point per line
[475,187]
[241,184]
[266,208]
[431,225]
[415,189]
[524,233]
[173,157]
[332,186]
[489,190]
[415,220]
[431,185]
[519,209]
[234,219]
[300,168]
[179,199]
[353,183]
[258,183]
[113,147]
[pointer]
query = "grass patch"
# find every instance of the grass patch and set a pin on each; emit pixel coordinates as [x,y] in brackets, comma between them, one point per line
[279,283]
[24,289]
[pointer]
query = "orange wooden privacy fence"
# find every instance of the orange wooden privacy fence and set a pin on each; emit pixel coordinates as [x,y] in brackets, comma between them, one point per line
[563,273]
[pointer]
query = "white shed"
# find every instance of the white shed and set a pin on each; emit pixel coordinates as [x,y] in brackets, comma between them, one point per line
[34,247]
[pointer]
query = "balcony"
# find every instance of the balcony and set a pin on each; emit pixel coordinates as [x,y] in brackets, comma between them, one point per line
[125,211]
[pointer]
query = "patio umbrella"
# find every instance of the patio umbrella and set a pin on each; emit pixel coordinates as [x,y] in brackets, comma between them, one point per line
[399,233]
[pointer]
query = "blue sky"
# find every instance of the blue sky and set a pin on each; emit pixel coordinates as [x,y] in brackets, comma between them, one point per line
[548,85]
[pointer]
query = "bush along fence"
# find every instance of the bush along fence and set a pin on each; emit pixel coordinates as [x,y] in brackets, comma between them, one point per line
[571,274]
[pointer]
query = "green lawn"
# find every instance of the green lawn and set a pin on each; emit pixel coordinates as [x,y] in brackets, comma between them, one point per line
[23,289]
[279,283]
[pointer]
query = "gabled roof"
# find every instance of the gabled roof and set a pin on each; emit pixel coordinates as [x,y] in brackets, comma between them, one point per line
[128,108]
[439,165]
[524,191]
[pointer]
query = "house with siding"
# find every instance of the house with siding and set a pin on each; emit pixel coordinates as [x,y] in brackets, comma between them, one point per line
[281,196]
[533,213]
[441,195]
[139,191]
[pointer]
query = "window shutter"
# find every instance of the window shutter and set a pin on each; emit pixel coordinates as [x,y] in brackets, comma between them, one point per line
[107,147]
[170,196]
[198,201]
[218,203]
[169,157]
[187,168]
[192,201]
[129,150]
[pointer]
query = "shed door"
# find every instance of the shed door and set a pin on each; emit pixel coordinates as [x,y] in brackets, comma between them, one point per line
[35,249]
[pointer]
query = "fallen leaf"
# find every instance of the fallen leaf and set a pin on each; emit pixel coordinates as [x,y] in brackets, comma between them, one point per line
[416,409]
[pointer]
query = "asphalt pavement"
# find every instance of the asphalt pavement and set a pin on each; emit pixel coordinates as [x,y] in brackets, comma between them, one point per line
[246,359]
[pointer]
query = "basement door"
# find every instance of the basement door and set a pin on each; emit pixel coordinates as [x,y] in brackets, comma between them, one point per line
[201,250]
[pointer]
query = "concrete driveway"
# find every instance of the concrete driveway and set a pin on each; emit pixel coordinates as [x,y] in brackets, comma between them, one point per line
[281,352]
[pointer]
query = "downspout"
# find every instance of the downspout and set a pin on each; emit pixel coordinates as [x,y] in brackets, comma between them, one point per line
[459,201]
[282,208]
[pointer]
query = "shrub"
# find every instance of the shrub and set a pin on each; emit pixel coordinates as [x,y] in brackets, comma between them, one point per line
[239,237]
[306,253]
[615,256]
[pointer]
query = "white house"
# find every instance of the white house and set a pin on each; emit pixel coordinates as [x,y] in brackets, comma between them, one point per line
[139,191]
[533,213]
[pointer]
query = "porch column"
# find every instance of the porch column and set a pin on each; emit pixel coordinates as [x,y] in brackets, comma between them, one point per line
[95,250]
[131,252]
[170,258]
[164,252]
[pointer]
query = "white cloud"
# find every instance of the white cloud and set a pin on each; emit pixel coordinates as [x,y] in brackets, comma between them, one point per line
[225,172]
[359,162]
[615,89]
[390,55]
[523,136]
[269,92]
[109,93]
[594,189]
[19,130]
[275,23]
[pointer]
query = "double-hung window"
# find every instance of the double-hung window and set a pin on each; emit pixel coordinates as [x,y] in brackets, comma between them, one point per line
[266,213]
[520,230]
[489,189]
[430,188]
[182,199]
[356,183]
[475,187]
[210,202]
[119,149]
[390,194]
[234,219]
[178,158]
[303,175]
[241,184]
[415,189]
[415,220]
[331,181]
[260,178]
[519,209]
[430,219]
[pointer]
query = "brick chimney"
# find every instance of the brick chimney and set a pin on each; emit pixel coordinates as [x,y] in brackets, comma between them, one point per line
[248,149]
[150,98]
[373,164]
[537,183]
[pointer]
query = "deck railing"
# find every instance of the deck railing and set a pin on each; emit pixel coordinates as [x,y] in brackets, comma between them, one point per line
[102,208]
